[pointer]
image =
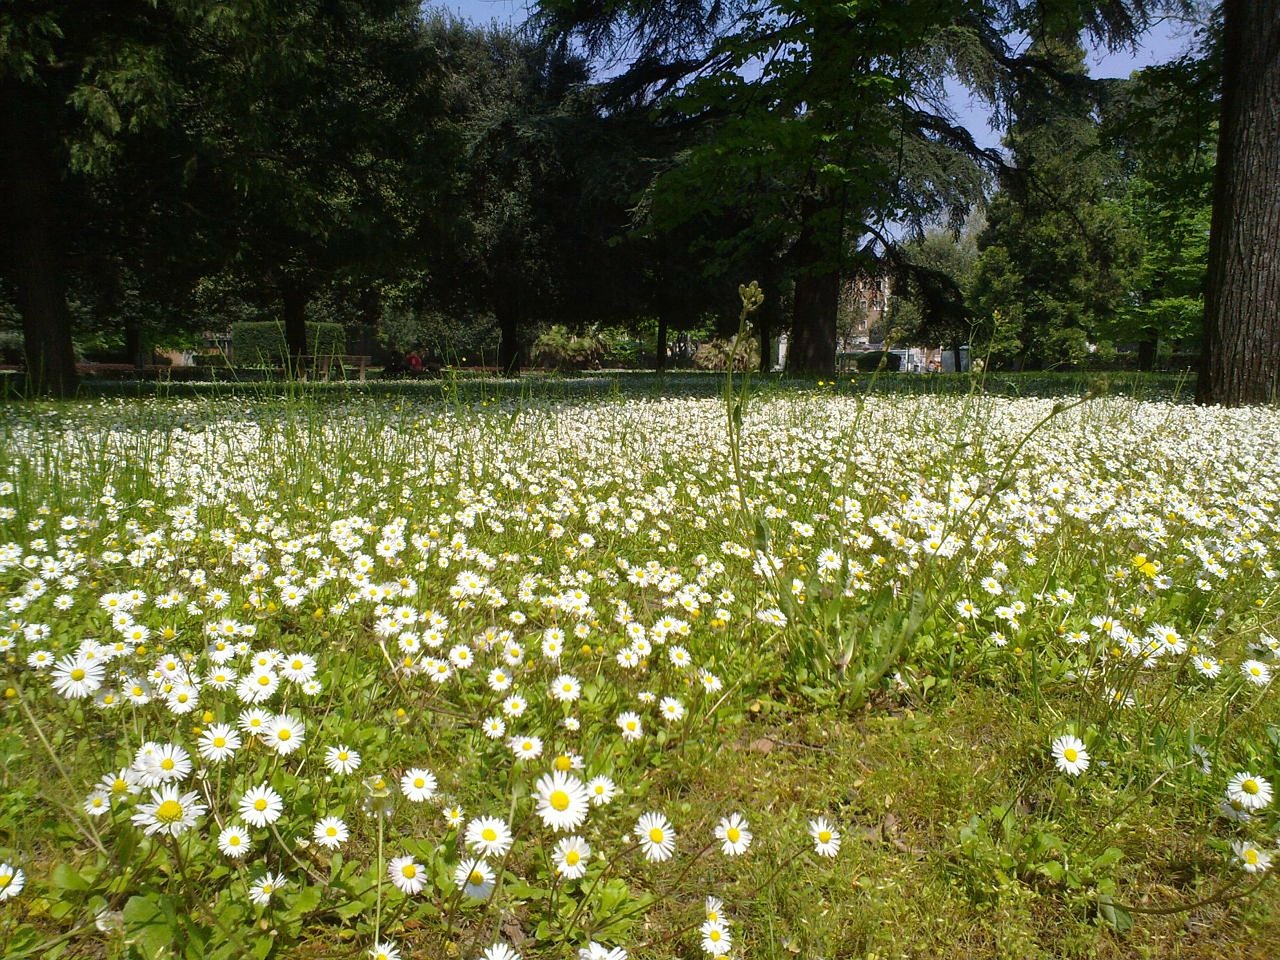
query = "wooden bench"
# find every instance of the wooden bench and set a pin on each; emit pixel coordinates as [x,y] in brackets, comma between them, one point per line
[321,365]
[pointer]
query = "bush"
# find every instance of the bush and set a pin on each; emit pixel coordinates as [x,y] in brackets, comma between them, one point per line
[714,355]
[11,346]
[263,344]
[563,350]
[870,362]
[622,349]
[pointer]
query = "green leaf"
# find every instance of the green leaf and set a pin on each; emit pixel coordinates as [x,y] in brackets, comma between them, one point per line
[65,877]
[1053,870]
[308,899]
[1108,857]
[1119,918]
[147,925]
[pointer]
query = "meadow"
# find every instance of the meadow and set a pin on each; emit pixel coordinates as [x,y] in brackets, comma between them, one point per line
[819,672]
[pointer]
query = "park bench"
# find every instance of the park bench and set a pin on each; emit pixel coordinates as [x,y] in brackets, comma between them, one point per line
[321,365]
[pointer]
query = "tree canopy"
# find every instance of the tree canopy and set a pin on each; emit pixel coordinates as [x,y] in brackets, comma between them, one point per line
[170,168]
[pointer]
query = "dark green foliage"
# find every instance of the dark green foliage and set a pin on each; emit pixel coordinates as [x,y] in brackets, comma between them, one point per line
[560,349]
[1162,123]
[169,169]
[877,360]
[1058,255]
[263,344]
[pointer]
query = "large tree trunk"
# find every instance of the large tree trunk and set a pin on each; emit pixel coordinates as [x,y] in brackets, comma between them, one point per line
[812,348]
[1241,358]
[660,354]
[133,342]
[1148,348]
[509,342]
[815,304]
[295,296]
[31,237]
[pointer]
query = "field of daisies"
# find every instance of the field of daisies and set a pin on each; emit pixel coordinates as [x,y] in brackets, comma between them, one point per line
[807,675]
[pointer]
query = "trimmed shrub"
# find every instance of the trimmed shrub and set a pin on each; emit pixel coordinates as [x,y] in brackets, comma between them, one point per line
[263,344]
[870,362]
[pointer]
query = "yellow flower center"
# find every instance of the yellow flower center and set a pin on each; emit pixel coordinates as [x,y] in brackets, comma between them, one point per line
[233,840]
[563,763]
[1070,754]
[734,834]
[656,835]
[409,870]
[77,674]
[219,742]
[264,681]
[260,804]
[824,836]
[572,858]
[476,878]
[5,879]
[119,785]
[166,764]
[559,800]
[1250,786]
[713,935]
[1251,856]
[169,811]
[331,831]
[284,734]
[489,834]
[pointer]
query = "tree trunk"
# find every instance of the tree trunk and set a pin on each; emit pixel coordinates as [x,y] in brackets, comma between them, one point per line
[1147,348]
[815,304]
[29,230]
[133,342]
[763,323]
[295,296]
[1241,358]
[660,354]
[509,342]
[812,347]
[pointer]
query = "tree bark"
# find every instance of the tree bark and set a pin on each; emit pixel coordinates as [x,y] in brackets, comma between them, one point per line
[1240,363]
[763,324]
[660,353]
[133,342]
[1147,349]
[30,228]
[509,339]
[295,296]
[812,347]
[815,304]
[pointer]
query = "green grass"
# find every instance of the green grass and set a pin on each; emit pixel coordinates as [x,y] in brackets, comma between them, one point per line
[476,387]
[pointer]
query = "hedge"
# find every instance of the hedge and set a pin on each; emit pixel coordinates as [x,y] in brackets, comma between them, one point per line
[263,344]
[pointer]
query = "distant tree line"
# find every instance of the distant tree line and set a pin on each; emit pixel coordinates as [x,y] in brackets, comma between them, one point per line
[172,167]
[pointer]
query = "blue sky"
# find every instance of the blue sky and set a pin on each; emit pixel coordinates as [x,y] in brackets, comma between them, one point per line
[1165,41]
